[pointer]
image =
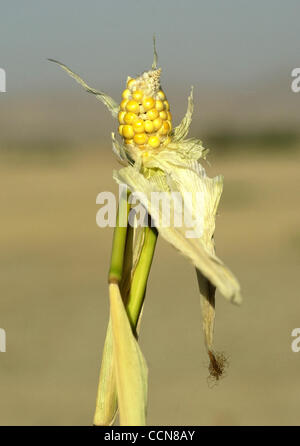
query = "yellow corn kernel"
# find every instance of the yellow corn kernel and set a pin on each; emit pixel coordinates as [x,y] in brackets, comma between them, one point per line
[126,94]
[130,83]
[128,132]
[152,114]
[120,129]
[129,118]
[163,115]
[132,106]
[159,105]
[138,126]
[148,103]
[149,127]
[138,95]
[157,123]
[123,104]
[166,104]
[140,138]
[165,128]
[154,141]
[161,95]
[128,141]
[169,116]
[121,117]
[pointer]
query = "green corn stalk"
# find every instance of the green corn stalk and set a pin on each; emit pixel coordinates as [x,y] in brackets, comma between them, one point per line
[130,267]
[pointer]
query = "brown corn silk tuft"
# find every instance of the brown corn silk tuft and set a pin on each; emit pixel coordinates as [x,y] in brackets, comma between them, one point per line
[218,364]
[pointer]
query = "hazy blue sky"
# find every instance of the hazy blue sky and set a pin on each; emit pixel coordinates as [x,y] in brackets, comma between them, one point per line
[221,42]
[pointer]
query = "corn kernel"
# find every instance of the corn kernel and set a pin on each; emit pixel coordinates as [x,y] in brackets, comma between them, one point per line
[138,126]
[138,95]
[140,138]
[148,103]
[132,106]
[128,132]
[120,129]
[121,117]
[163,115]
[128,141]
[161,95]
[166,104]
[154,141]
[129,118]
[126,94]
[152,114]
[130,83]
[165,128]
[169,116]
[157,123]
[159,105]
[149,127]
[123,104]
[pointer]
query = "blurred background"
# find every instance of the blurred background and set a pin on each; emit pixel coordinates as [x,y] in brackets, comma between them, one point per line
[55,157]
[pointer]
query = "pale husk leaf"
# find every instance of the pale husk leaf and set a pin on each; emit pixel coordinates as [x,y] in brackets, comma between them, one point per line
[182,129]
[129,364]
[106,401]
[192,178]
[110,103]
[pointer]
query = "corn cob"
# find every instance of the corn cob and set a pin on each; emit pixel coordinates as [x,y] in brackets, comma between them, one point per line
[144,117]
